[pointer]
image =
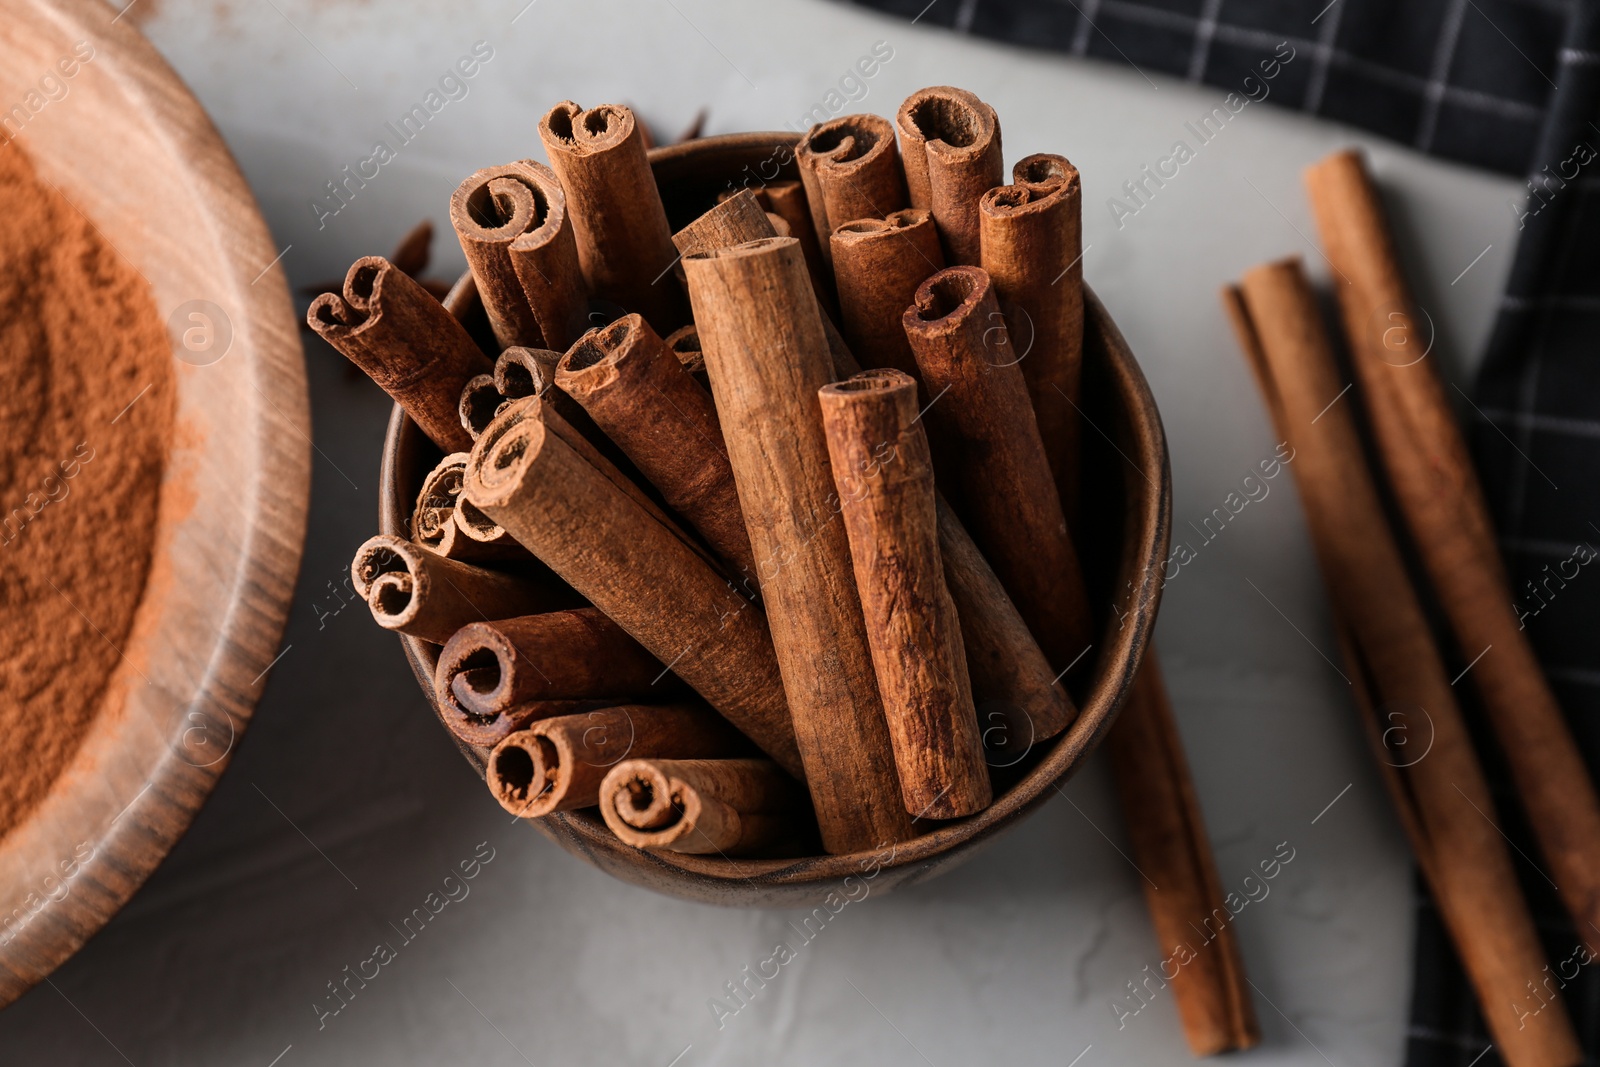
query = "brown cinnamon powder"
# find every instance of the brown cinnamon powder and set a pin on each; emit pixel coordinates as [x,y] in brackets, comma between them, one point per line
[86,409]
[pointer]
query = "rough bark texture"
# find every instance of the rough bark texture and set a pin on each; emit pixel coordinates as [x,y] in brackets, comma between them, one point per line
[767,355]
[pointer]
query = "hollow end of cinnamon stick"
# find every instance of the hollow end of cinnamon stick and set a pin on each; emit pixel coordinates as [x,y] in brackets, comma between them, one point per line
[728,806]
[851,169]
[516,772]
[947,299]
[480,400]
[684,343]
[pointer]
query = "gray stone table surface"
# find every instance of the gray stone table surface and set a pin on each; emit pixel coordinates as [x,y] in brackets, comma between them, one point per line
[346,806]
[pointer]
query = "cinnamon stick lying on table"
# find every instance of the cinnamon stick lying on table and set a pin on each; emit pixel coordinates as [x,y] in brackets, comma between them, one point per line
[513,226]
[877,265]
[404,340]
[881,466]
[665,422]
[1173,854]
[991,459]
[1450,813]
[851,170]
[1428,464]
[730,806]
[1031,235]
[624,242]
[767,355]
[950,145]
[636,568]
[557,764]
[489,668]
[421,593]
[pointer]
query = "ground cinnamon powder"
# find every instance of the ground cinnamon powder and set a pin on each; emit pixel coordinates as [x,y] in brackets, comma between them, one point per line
[86,409]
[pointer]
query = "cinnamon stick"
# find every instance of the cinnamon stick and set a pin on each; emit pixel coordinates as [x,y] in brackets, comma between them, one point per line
[486,731]
[734,220]
[787,200]
[1451,812]
[1427,463]
[1031,235]
[877,265]
[767,355]
[880,462]
[523,372]
[513,227]
[729,806]
[635,568]
[488,668]
[665,422]
[1173,853]
[404,340]
[950,145]
[421,593]
[433,521]
[1015,690]
[851,170]
[624,242]
[557,764]
[480,399]
[991,459]
[684,343]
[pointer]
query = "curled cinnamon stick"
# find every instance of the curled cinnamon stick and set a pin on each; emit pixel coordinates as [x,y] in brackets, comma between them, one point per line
[881,466]
[626,559]
[877,265]
[557,764]
[665,422]
[404,340]
[480,399]
[624,242]
[488,668]
[851,170]
[486,731]
[730,806]
[513,226]
[1428,464]
[421,593]
[950,145]
[1167,837]
[1031,235]
[991,459]
[767,355]
[433,521]
[1449,811]
[524,372]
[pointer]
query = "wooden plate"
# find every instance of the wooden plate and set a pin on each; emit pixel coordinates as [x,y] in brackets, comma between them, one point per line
[127,144]
[1122,542]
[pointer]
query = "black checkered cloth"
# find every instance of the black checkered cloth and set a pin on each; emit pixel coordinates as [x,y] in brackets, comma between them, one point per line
[1512,86]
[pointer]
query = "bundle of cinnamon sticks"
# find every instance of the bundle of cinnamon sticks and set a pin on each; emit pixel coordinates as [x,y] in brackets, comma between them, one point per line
[1404,674]
[737,526]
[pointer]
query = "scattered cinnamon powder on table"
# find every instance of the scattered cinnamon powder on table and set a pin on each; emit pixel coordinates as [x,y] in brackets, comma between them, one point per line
[86,410]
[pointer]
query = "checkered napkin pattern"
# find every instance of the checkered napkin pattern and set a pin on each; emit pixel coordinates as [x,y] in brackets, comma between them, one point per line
[1443,76]
[1512,86]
